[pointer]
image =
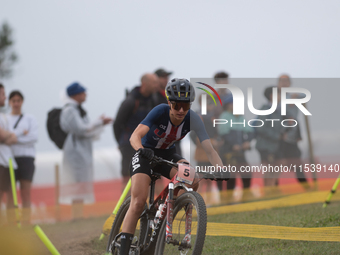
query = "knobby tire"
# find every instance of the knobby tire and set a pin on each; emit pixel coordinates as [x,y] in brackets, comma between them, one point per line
[199,225]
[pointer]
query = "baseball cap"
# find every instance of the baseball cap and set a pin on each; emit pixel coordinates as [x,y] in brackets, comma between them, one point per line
[162,73]
[74,89]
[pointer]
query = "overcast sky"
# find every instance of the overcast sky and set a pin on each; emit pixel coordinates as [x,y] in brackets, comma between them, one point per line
[108,45]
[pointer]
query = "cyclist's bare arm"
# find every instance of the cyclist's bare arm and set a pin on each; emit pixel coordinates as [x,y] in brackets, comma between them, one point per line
[213,156]
[137,135]
[7,137]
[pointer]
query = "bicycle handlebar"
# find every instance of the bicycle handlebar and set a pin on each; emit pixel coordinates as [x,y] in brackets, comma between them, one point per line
[210,176]
[161,160]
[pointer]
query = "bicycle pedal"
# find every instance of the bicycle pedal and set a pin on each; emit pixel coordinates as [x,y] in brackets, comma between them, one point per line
[134,251]
[134,240]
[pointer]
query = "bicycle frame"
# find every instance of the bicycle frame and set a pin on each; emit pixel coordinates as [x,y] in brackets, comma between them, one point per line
[162,208]
[166,197]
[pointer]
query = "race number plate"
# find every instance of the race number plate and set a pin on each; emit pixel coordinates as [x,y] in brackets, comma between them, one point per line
[185,173]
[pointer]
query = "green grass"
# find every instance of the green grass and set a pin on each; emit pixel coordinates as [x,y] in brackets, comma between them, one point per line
[308,216]
[257,246]
[303,216]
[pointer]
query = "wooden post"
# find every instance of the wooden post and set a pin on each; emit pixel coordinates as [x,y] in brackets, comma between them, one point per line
[57,192]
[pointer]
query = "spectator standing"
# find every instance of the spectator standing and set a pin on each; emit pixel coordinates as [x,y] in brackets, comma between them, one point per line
[220,78]
[6,138]
[132,111]
[289,148]
[77,171]
[210,196]
[25,127]
[269,137]
[163,78]
[236,138]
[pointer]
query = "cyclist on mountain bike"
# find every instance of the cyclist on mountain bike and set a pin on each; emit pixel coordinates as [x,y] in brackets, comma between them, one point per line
[155,135]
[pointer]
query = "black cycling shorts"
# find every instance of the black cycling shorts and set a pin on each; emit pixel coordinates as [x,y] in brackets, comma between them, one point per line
[25,169]
[140,164]
[127,152]
[5,180]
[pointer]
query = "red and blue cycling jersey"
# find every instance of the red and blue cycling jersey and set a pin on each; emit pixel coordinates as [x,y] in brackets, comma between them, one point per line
[163,134]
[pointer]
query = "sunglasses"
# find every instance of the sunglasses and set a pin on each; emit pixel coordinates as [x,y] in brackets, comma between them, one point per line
[178,105]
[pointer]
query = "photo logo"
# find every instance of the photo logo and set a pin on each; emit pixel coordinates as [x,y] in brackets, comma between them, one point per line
[238,99]
[212,89]
[204,97]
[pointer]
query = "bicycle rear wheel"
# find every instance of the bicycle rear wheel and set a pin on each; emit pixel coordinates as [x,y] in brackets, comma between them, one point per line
[140,232]
[186,244]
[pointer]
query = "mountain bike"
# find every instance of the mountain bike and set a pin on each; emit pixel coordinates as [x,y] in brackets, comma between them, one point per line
[169,224]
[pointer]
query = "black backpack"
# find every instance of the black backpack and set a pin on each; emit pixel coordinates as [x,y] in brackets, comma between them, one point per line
[57,135]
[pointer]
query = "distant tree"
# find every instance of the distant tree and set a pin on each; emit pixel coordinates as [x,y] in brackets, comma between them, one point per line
[7,56]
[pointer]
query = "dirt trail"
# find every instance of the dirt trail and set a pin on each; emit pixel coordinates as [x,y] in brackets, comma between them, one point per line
[77,237]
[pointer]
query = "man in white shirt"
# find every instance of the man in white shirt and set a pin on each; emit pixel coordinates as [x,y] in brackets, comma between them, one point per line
[6,138]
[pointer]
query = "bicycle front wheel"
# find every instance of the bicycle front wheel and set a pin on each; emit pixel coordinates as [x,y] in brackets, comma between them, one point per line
[113,247]
[189,211]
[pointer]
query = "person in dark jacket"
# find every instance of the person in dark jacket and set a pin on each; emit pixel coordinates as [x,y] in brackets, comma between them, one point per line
[292,135]
[163,79]
[132,111]
[236,141]
[160,98]
[269,137]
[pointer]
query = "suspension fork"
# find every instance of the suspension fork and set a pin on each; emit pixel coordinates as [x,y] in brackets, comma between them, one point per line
[169,221]
[169,215]
[188,221]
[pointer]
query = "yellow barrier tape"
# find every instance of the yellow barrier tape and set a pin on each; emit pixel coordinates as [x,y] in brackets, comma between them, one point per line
[300,199]
[329,234]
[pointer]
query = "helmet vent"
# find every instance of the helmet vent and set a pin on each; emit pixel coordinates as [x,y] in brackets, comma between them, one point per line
[180,90]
